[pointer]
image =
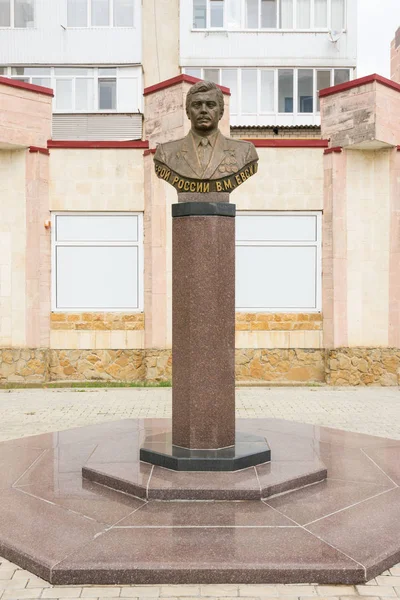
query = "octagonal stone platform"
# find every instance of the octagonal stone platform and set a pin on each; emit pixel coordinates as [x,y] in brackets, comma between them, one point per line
[345,529]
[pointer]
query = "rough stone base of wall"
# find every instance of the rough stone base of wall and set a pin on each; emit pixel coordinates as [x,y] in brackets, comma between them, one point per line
[363,366]
[24,365]
[280,365]
[342,366]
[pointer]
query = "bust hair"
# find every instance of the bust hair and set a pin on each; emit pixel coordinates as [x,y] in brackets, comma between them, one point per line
[205,86]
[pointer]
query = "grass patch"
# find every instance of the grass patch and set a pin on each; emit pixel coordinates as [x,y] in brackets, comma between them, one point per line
[87,384]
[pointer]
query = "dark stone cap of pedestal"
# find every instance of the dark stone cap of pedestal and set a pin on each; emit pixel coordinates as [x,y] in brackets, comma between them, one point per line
[203,209]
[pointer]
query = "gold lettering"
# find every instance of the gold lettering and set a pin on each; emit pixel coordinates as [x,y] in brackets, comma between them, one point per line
[199,186]
[186,187]
[181,183]
[218,186]
[242,175]
[206,187]
[256,168]
[238,180]
[247,173]
[251,170]
[192,186]
[228,184]
[175,180]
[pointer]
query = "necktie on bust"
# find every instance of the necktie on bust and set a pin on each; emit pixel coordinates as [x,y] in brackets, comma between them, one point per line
[204,152]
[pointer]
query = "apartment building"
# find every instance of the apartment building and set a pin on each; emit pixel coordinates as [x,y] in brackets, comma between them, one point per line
[97,55]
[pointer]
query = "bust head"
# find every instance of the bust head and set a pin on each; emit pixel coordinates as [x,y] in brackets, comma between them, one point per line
[205,107]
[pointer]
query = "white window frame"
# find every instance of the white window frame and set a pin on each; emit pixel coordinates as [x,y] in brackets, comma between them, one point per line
[56,244]
[276,112]
[317,244]
[12,17]
[110,17]
[120,70]
[243,25]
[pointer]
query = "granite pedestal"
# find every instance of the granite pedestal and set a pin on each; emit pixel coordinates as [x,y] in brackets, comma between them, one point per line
[203,347]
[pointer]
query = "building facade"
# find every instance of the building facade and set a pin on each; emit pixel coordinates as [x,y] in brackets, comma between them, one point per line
[85,261]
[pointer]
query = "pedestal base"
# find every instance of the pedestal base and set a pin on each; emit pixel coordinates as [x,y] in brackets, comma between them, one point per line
[248,451]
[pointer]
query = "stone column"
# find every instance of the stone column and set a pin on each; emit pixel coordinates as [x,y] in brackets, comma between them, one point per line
[203,325]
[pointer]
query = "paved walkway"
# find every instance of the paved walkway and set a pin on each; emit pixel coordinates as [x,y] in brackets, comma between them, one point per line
[373,411]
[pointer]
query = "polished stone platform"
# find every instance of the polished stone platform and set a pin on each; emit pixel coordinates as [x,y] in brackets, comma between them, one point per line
[345,529]
[249,450]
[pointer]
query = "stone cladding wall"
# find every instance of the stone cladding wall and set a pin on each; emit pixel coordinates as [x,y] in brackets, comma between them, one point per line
[342,366]
[363,366]
[278,322]
[97,321]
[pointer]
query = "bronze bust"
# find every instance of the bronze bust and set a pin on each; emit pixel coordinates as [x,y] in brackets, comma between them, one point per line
[205,160]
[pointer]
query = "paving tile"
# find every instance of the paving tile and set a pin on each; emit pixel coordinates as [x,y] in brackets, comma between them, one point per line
[31,530]
[388,580]
[202,514]
[37,582]
[316,501]
[140,592]
[296,590]
[6,574]
[258,591]
[240,485]
[388,459]
[395,570]
[15,584]
[62,592]
[177,591]
[380,591]
[350,464]
[337,590]
[86,498]
[102,592]
[249,555]
[355,532]
[19,594]
[219,590]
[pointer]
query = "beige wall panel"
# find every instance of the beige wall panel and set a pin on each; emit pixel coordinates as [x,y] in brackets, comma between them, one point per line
[368,226]
[25,117]
[161,40]
[287,179]
[12,248]
[96,180]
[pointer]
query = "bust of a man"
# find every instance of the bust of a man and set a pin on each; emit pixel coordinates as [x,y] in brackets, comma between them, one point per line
[205,160]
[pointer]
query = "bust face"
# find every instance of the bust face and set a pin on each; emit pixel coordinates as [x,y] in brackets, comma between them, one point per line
[204,112]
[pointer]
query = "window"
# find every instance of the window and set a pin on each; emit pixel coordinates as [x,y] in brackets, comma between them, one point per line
[269,14]
[253,90]
[285,90]
[288,246]
[97,261]
[17,13]
[305,90]
[81,89]
[100,13]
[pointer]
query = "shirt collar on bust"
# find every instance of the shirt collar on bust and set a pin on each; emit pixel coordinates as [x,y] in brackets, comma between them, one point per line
[211,138]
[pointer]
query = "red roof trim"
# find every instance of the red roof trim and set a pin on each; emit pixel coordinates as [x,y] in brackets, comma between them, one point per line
[26,86]
[272,143]
[96,145]
[336,149]
[357,83]
[151,151]
[40,150]
[179,79]
[398,148]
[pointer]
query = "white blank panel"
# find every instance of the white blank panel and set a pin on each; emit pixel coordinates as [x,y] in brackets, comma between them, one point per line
[99,228]
[97,277]
[281,277]
[127,95]
[276,228]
